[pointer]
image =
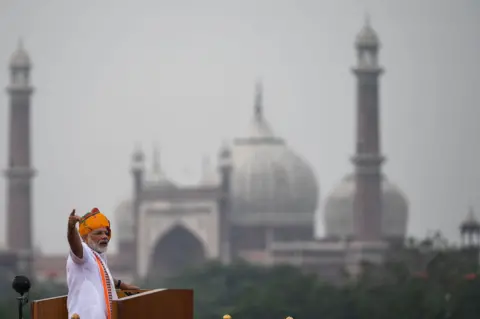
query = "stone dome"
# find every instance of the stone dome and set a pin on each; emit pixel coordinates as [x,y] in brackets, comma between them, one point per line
[124,224]
[268,176]
[20,58]
[339,219]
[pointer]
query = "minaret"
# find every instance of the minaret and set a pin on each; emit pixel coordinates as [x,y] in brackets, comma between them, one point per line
[368,158]
[224,204]
[19,173]
[138,172]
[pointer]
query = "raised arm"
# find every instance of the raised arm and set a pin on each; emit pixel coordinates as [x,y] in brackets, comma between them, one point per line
[73,236]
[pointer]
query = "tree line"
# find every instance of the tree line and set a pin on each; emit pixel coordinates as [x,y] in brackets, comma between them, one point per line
[446,288]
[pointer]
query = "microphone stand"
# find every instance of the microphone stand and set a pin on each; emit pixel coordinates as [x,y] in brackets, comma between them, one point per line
[22,301]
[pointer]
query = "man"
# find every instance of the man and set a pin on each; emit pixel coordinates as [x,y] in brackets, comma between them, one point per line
[91,287]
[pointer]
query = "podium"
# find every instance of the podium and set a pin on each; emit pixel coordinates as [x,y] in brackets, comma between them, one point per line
[135,304]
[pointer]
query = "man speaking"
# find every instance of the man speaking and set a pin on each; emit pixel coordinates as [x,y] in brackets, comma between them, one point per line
[91,287]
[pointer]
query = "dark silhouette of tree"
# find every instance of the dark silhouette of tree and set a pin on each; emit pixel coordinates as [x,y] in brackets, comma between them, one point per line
[423,281]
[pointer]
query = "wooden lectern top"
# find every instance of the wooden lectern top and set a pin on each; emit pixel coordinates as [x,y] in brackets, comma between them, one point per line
[158,303]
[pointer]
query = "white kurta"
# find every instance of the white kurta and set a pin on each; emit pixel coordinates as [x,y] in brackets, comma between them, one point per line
[85,290]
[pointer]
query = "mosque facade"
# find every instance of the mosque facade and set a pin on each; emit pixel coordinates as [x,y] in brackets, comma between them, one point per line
[262,192]
[259,203]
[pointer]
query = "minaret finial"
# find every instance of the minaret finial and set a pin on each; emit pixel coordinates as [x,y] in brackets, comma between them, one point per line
[137,155]
[258,99]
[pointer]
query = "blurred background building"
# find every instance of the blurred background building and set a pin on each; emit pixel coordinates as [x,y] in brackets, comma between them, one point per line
[256,203]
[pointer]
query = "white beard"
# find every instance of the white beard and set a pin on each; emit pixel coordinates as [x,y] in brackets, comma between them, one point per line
[96,247]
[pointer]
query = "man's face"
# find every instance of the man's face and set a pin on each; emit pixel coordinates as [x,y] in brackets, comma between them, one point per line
[98,240]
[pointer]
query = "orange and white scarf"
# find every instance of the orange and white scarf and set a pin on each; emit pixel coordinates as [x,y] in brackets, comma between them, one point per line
[106,283]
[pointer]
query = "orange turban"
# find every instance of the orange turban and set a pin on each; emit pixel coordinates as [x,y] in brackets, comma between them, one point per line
[94,220]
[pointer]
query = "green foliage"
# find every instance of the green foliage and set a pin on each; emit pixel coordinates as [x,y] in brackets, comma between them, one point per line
[250,292]
[247,292]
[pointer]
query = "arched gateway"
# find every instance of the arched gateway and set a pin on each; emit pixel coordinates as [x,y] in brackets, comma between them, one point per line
[178,249]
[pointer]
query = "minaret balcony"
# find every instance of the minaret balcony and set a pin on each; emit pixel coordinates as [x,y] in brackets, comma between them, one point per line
[19,89]
[20,172]
[368,159]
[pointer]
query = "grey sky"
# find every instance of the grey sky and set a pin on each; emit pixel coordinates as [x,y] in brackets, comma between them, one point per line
[110,73]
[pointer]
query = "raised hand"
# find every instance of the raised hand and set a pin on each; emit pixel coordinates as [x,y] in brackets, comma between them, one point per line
[73,236]
[73,219]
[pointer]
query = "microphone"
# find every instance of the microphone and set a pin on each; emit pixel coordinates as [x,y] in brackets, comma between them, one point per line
[21,285]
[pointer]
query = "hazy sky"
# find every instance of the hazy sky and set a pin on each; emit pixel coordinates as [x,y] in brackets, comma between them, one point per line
[112,73]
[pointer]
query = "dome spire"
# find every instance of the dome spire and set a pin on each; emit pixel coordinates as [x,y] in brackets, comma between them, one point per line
[258,100]
[259,129]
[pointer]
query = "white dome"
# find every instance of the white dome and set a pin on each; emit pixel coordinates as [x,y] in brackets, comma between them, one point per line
[124,229]
[267,176]
[339,218]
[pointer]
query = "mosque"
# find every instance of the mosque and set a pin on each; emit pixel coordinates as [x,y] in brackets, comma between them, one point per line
[258,205]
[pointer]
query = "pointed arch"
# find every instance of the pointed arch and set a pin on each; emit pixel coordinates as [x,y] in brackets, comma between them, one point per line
[176,250]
